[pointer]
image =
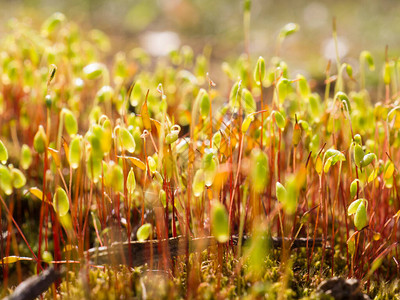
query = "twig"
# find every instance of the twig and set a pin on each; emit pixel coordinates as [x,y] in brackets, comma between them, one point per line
[115,254]
[34,286]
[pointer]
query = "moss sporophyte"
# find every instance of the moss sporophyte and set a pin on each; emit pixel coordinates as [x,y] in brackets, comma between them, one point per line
[143,177]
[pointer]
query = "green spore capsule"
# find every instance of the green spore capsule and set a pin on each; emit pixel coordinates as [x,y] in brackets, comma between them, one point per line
[358,154]
[216,140]
[360,218]
[152,164]
[210,167]
[127,140]
[366,55]
[61,202]
[93,70]
[198,183]
[303,86]
[18,178]
[52,23]
[144,232]
[288,29]
[3,153]
[353,187]
[205,103]
[105,94]
[71,124]
[246,122]
[6,180]
[281,192]
[131,181]
[219,222]
[280,120]
[40,140]
[248,102]
[259,173]
[367,159]
[259,71]
[26,157]
[75,152]
[114,177]
[48,100]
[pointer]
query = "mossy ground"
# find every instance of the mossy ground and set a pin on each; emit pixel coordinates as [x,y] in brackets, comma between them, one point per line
[209,281]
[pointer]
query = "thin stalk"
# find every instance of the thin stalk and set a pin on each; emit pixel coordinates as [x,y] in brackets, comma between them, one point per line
[333,214]
[20,232]
[262,108]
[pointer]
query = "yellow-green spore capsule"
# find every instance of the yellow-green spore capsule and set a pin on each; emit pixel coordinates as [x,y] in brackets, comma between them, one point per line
[144,232]
[3,153]
[219,222]
[61,202]
[127,140]
[71,124]
[75,152]
[40,140]
[198,183]
[18,178]
[26,157]
[131,181]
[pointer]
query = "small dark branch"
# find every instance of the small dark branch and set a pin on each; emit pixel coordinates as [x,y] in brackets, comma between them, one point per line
[34,286]
[140,251]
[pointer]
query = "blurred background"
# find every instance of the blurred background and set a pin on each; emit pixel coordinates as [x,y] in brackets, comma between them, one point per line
[163,25]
